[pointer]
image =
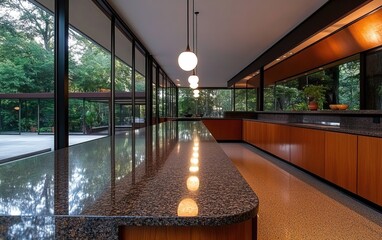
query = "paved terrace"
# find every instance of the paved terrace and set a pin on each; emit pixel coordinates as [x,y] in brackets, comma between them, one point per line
[15,145]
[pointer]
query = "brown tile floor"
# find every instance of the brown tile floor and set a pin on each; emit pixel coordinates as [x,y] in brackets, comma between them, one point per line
[295,205]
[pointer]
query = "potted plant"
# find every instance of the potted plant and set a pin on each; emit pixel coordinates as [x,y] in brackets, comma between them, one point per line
[315,95]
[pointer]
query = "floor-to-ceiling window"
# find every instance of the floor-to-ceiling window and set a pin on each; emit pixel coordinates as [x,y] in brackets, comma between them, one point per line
[26,76]
[140,87]
[123,80]
[27,67]
[89,68]
[245,99]
[210,103]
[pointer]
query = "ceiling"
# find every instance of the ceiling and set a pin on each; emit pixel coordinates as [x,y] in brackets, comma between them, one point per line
[230,35]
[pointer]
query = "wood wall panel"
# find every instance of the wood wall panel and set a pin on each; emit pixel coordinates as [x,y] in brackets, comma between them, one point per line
[341,160]
[358,37]
[240,231]
[225,129]
[370,168]
[308,149]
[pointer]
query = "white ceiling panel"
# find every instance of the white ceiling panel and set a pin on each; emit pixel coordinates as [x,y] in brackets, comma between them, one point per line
[231,33]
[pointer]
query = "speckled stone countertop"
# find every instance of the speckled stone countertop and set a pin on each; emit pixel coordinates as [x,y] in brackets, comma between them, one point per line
[171,174]
[355,131]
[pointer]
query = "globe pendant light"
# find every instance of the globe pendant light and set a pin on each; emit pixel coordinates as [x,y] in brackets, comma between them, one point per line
[187,60]
[193,79]
[194,86]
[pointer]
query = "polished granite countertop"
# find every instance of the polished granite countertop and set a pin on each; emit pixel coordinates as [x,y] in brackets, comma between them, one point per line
[171,174]
[332,128]
[318,112]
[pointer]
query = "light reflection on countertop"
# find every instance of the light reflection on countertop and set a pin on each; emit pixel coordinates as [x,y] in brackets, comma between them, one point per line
[92,188]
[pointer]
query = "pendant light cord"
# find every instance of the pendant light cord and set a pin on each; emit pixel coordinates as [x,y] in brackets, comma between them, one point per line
[196,38]
[193,26]
[188,26]
[196,34]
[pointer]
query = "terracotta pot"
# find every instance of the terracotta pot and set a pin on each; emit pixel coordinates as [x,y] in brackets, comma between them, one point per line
[313,106]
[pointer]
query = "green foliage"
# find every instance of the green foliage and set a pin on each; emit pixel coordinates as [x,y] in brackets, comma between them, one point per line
[348,89]
[286,97]
[122,76]
[91,71]
[315,93]
[210,103]
[269,98]
[240,99]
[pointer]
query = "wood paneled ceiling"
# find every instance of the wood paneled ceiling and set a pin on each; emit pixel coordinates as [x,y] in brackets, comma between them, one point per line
[363,34]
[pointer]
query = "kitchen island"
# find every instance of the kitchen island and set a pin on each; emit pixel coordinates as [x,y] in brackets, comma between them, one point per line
[168,181]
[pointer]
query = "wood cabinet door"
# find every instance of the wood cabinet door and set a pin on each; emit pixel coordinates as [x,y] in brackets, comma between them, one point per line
[279,140]
[245,130]
[308,149]
[224,129]
[370,168]
[341,160]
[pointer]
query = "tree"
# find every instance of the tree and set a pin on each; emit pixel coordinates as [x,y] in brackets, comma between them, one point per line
[348,89]
[89,66]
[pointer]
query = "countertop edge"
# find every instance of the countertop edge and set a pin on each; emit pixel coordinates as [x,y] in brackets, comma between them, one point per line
[368,133]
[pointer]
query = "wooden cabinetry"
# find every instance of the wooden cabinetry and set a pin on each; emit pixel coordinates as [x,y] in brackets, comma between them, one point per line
[349,161]
[240,231]
[370,168]
[278,140]
[341,160]
[225,129]
[273,138]
[307,148]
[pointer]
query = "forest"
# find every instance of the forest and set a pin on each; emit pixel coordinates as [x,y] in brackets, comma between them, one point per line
[27,66]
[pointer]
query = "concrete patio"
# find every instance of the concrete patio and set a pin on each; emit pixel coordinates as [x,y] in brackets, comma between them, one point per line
[15,145]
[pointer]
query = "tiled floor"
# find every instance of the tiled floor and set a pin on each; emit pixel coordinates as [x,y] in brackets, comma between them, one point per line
[295,205]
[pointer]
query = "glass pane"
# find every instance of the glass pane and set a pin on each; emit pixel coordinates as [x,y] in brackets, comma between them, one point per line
[26,68]
[210,103]
[154,96]
[349,84]
[123,86]
[269,98]
[89,70]
[140,88]
[240,99]
[289,97]
[373,81]
[251,99]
